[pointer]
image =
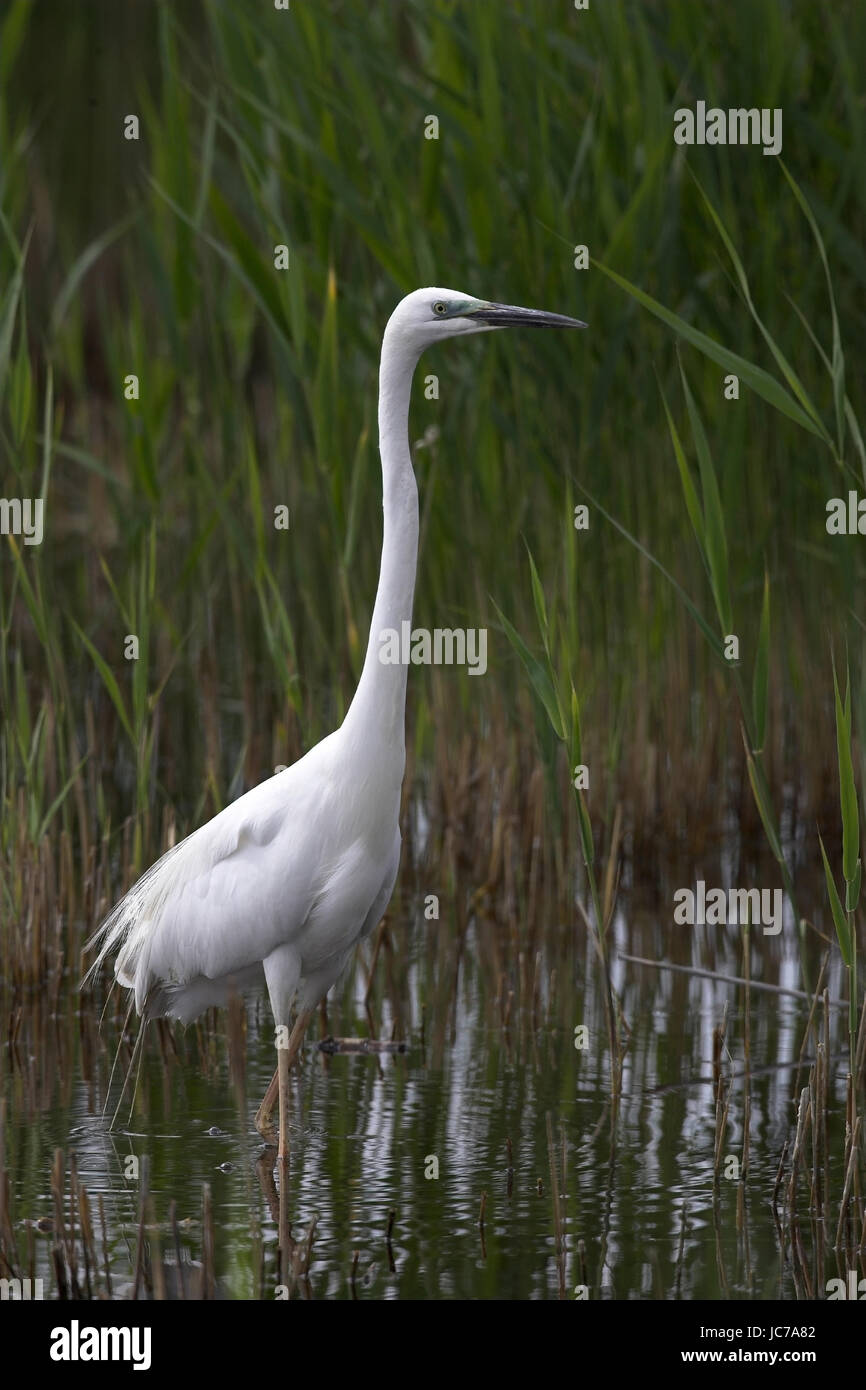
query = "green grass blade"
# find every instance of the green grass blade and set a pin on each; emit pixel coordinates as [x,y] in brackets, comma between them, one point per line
[538,600]
[840,921]
[79,268]
[711,636]
[847,789]
[788,372]
[60,798]
[760,381]
[837,365]
[539,678]
[715,541]
[765,810]
[693,506]
[761,677]
[108,680]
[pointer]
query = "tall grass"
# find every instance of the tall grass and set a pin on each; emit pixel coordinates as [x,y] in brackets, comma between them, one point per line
[257,389]
[852,868]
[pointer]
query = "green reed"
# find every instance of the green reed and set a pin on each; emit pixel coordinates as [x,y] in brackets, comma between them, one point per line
[258,387]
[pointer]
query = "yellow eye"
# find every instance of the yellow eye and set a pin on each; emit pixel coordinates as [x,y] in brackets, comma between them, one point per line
[440,307]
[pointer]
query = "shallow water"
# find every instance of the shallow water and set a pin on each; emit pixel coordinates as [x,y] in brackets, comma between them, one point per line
[424,1134]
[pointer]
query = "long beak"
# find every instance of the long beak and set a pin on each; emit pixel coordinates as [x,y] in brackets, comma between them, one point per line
[510,315]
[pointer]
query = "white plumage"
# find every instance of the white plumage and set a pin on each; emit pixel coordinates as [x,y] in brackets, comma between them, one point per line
[260,878]
[281,885]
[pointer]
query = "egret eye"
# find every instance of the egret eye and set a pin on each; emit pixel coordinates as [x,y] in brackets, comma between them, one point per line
[440,307]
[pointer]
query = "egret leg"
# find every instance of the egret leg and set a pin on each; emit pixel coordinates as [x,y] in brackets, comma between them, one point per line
[287,1055]
[264,1124]
[286,1058]
[283,1074]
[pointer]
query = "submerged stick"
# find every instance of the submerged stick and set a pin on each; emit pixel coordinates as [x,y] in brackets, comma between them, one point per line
[333,1045]
[727,979]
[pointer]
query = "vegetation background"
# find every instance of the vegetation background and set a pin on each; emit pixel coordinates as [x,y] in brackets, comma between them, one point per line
[155,256]
[306,127]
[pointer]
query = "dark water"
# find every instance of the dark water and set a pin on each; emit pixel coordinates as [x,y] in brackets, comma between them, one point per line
[424,1135]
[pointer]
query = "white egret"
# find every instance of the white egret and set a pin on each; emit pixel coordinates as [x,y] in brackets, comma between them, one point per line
[281,886]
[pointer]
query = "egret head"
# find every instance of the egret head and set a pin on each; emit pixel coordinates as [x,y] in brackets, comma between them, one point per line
[426,316]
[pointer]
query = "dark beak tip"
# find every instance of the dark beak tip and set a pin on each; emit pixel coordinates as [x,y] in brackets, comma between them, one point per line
[512,315]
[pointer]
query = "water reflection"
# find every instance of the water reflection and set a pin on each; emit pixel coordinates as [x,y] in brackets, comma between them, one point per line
[492,1108]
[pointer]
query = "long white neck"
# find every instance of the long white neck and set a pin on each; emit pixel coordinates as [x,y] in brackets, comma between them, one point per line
[377,714]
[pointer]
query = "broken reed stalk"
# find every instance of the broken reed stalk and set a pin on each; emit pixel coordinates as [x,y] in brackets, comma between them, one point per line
[849,1180]
[175,1234]
[747,1064]
[284,1223]
[800,1261]
[581,1261]
[73,1206]
[208,1279]
[481,1233]
[723,1100]
[802,1116]
[557,1208]
[563,1182]
[301,1255]
[59,1243]
[308,1250]
[106,1260]
[814,1199]
[144,1184]
[536,984]
[87,1241]
[8,1246]
[807,1031]
[31,1251]
[722,1090]
[155,1261]
[820,1155]
[825,1142]
[681,1249]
